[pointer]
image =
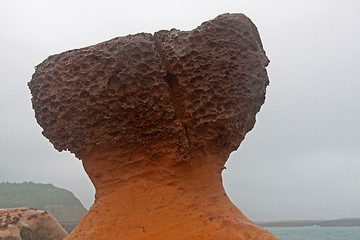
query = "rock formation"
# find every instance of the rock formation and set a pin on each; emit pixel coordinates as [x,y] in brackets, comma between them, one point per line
[62,203]
[29,224]
[154,119]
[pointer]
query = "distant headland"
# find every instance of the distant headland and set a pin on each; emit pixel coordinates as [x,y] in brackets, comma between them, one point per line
[63,204]
[343,222]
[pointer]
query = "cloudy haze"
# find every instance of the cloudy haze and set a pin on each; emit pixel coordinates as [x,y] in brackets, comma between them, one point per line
[301,160]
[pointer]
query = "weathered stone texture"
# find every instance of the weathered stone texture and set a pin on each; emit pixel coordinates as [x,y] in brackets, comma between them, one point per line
[29,224]
[154,119]
[194,90]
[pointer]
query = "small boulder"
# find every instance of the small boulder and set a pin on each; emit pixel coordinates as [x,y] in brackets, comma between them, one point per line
[29,224]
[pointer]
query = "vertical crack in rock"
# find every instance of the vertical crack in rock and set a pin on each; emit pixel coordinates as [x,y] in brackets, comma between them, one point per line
[176,93]
[154,119]
[178,98]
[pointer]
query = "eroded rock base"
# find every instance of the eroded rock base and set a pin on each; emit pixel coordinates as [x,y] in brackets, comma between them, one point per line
[167,200]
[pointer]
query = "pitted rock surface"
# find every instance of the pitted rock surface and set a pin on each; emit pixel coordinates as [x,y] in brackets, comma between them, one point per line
[154,119]
[29,224]
[193,90]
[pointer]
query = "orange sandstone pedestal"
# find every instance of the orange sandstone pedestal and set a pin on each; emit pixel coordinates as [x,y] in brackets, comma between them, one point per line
[154,119]
[140,199]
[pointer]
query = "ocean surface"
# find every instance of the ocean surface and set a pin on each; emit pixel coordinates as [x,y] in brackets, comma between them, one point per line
[316,233]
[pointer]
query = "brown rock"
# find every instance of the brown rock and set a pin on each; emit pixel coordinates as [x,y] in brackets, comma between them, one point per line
[29,224]
[154,119]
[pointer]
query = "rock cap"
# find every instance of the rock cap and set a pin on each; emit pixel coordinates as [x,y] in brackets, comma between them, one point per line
[190,91]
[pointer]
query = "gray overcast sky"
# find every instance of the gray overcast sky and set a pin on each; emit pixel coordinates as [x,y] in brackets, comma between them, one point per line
[302,159]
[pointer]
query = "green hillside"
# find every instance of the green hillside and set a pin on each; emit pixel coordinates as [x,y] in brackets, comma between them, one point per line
[60,202]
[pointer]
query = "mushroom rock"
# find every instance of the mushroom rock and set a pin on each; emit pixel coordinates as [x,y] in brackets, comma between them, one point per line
[154,117]
[29,224]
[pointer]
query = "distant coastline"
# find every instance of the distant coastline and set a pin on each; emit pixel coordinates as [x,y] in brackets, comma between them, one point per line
[344,222]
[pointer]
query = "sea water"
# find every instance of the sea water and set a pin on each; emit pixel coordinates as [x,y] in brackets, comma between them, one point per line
[316,233]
